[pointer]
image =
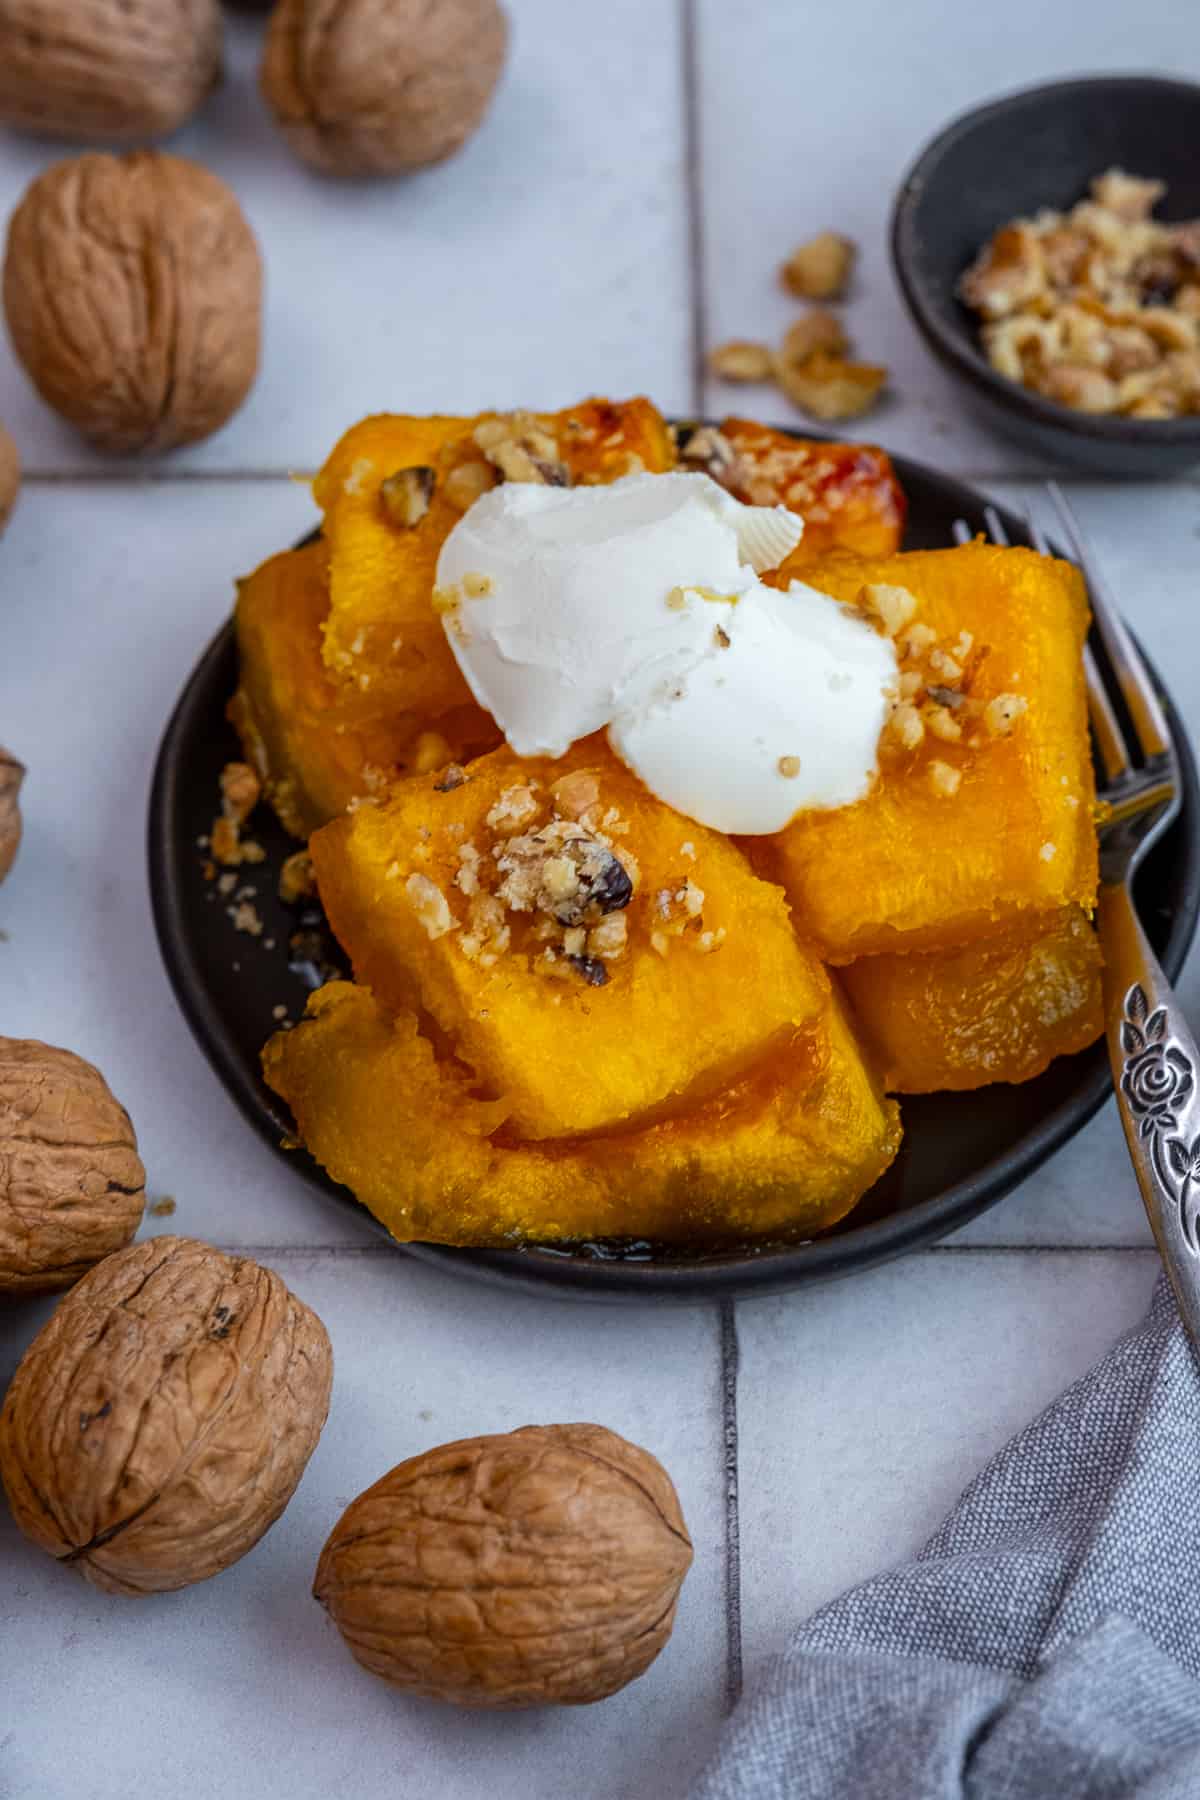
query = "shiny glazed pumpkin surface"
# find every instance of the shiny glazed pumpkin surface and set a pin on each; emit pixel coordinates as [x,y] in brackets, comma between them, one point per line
[996,1011]
[912,867]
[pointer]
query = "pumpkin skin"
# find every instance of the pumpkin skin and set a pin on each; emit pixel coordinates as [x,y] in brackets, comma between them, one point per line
[1001,1010]
[848,494]
[907,868]
[569,1057]
[313,748]
[787,1148]
[383,638]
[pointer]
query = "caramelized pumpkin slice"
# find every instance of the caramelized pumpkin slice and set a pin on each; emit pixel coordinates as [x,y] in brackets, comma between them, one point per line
[590,954]
[996,1011]
[782,1150]
[315,752]
[963,837]
[847,494]
[383,637]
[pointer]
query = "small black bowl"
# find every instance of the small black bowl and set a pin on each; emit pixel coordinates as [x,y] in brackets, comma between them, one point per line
[1036,148]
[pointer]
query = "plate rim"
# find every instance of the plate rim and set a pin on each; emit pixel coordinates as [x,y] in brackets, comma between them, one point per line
[550,1273]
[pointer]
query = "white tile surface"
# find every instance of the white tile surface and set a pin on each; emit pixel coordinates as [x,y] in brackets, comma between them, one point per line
[548,259]
[243,1682]
[865,1407]
[111,591]
[809,118]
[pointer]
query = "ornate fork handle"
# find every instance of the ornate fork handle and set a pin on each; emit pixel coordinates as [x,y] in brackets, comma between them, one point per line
[1156,1067]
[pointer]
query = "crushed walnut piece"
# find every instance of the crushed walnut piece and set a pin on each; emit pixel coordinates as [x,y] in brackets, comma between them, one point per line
[1098,307]
[297,880]
[515,808]
[944,779]
[820,269]
[467,482]
[892,607]
[405,495]
[563,870]
[817,330]
[246,918]
[740,360]
[522,449]
[829,387]
[710,450]
[430,905]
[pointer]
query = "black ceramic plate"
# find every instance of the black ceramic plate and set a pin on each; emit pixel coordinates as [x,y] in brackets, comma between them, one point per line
[961,1152]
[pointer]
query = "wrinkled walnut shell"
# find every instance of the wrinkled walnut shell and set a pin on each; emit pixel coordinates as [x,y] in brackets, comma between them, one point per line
[160,1422]
[540,1566]
[10,476]
[133,293]
[72,1186]
[374,87]
[12,774]
[111,70]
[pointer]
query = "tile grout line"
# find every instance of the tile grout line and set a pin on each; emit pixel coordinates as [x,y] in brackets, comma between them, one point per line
[733,1557]
[693,191]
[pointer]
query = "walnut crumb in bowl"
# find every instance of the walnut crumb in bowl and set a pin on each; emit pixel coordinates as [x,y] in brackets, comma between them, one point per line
[1008,167]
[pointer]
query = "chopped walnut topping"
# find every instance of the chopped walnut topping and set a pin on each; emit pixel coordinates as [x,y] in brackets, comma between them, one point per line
[677,600]
[515,807]
[467,878]
[943,724]
[1048,852]
[240,791]
[522,450]
[562,870]
[710,450]
[944,665]
[906,725]
[430,905]
[789,767]
[688,849]
[465,484]
[721,638]
[711,940]
[405,496]
[229,847]
[445,600]
[476,586]
[575,794]
[609,937]
[297,880]
[1002,713]
[245,918]
[739,360]
[944,779]
[452,776]
[488,934]
[893,607]
[691,898]
[820,269]
[920,637]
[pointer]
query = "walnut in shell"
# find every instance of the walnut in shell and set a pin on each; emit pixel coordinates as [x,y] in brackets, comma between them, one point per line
[539,1566]
[10,476]
[72,1186]
[133,294]
[115,70]
[12,774]
[373,87]
[160,1422]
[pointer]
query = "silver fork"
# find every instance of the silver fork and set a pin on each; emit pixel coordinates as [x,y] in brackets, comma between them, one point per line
[1153,1054]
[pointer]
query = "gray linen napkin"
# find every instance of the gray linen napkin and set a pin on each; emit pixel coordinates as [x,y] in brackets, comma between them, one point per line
[1045,1642]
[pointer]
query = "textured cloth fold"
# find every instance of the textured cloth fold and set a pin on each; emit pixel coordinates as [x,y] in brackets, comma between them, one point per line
[1044,1643]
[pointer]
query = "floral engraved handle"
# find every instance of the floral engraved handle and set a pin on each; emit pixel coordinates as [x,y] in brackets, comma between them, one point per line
[1159,1085]
[1155,1063]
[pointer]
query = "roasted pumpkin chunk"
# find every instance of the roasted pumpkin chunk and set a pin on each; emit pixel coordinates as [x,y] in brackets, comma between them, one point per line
[787,1148]
[590,954]
[848,494]
[1001,1010]
[316,748]
[982,814]
[383,636]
